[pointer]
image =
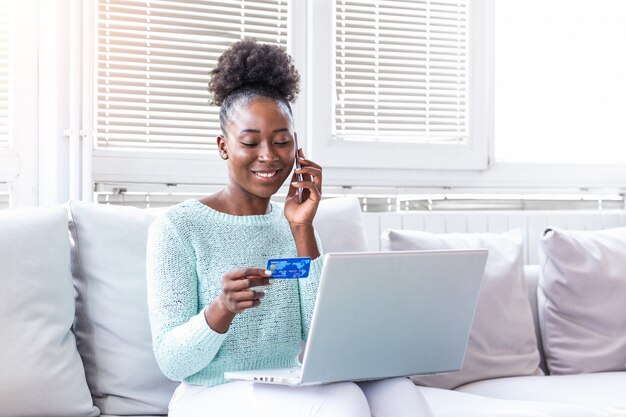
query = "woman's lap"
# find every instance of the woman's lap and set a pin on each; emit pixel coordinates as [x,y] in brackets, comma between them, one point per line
[343,399]
[395,397]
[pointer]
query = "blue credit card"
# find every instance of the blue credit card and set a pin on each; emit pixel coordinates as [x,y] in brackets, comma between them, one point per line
[285,268]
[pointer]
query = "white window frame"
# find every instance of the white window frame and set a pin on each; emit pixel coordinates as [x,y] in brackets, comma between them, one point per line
[357,165]
[344,154]
[156,169]
[168,167]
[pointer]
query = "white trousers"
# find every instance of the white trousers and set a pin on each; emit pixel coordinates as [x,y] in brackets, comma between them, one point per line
[395,397]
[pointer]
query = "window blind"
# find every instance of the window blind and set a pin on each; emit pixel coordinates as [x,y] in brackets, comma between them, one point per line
[154,59]
[401,71]
[4,75]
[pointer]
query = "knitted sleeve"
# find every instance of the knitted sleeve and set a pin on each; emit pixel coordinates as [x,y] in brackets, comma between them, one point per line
[308,291]
[182,340]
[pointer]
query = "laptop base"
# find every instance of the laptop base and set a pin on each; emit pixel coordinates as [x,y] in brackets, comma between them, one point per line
[280,376]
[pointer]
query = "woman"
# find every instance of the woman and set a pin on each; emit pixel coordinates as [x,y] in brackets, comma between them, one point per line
[212,308]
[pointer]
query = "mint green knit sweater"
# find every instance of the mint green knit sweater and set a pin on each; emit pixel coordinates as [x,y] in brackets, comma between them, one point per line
[189,249]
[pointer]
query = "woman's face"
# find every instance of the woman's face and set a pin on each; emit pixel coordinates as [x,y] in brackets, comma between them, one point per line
[260,147]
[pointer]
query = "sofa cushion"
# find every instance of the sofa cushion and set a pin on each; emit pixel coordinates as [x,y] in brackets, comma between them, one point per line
[448,403]
[41,373]
[339,224]
[602,391]
[502,340]
[581,299]
[112,325]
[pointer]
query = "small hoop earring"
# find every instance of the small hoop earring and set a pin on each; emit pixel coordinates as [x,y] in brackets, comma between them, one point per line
[224,156]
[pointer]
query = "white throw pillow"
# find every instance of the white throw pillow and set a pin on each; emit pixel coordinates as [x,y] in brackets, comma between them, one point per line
[339,224]
[112,325]
[502,340]
[41,373]
[582,300]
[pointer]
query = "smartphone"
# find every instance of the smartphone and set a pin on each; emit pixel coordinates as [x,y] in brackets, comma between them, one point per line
[298,166]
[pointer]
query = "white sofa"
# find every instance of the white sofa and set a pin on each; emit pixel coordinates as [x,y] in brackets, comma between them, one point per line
[75,338]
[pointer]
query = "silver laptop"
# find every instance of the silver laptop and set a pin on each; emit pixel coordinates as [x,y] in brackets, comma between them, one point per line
[386,314]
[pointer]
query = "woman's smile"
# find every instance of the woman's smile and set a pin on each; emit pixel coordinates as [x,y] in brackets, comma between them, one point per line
[267,176]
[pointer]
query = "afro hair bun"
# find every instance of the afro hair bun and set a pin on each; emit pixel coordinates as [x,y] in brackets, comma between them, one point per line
[248,63]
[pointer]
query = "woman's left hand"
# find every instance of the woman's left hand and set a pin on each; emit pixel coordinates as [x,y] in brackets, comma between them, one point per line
[311,185]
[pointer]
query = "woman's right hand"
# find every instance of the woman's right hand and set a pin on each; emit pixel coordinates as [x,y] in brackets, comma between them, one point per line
[238,294]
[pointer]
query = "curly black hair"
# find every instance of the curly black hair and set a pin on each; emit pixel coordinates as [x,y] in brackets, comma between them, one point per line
[249,70]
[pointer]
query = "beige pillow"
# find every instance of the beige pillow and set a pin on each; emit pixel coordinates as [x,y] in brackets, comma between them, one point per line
[582,300]
[502,340]
[41,373]
[339,224]
[112,325]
